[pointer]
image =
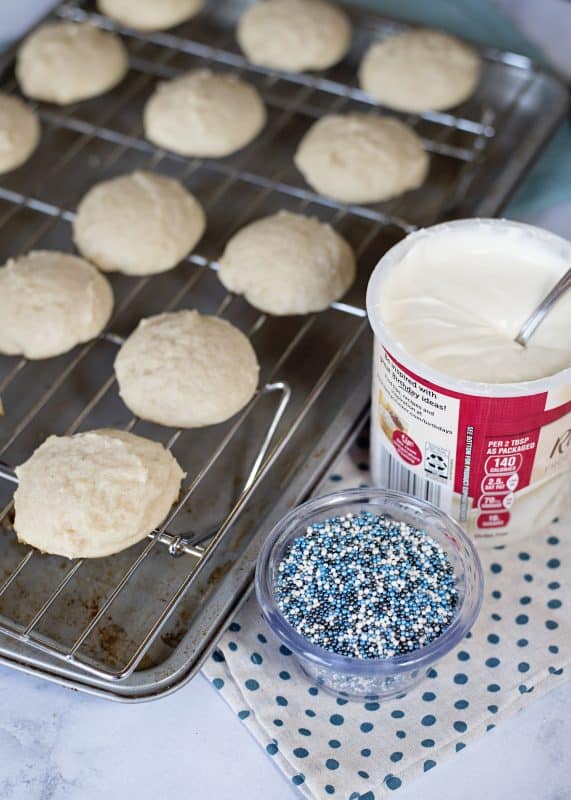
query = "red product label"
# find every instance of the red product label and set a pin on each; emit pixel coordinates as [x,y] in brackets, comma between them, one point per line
[481,452]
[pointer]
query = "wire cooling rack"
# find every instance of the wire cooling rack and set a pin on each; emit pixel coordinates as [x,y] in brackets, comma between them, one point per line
[139,623]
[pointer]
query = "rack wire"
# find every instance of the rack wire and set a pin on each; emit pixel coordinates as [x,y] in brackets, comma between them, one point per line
[94,140]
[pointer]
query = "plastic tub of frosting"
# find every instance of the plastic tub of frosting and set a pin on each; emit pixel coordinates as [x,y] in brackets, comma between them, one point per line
[462,415]
[349,675]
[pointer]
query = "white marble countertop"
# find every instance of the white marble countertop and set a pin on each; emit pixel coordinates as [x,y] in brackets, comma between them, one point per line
[56,744]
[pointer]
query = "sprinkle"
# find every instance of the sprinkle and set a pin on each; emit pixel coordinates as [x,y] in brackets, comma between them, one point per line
[366,586]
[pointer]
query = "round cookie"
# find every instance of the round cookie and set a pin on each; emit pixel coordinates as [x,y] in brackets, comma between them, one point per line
[138,224]
[420,70]
[204,114]
[150,15]
[94,494]
[294,35]
[50,303]
[361,158]
[288,264]
[19,132]
[64,62]
[186,370]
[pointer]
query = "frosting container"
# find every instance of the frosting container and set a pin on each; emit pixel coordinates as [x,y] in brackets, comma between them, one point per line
[462,415]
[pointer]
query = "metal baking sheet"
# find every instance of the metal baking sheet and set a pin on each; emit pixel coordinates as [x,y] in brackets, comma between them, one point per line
[179,606]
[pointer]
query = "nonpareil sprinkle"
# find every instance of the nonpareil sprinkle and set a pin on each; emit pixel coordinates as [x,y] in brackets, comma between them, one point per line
[366,586]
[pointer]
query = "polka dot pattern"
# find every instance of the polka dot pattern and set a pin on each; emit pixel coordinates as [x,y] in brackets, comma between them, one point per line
[365,751]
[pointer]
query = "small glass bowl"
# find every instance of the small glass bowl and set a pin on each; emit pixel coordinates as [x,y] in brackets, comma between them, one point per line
[377,678]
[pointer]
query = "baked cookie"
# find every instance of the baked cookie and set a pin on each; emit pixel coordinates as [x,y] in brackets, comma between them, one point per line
[288,264]
[204,114]
[138,224]
[294,35]
[420,70]
[64,62]
[94,494]
[361,158]
[186,370]
[51,302]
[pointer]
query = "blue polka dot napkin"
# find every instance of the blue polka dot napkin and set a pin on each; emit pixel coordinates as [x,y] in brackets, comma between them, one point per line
[519,649]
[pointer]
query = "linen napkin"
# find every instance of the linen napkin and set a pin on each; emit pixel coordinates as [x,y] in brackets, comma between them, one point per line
[519,648]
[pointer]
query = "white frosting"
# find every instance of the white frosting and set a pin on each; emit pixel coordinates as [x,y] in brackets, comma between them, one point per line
[458,296]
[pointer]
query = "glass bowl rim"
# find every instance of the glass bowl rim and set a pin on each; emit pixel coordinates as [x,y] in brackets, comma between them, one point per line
[299,645]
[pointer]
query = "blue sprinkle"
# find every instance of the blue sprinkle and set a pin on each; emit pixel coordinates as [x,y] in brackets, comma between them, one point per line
[460,726]
[428,697]
[243,714]
[218,683]
[281,701]
[427,742]
[429,764]
[329,788]
[332,763]
[336,719]
[396,756]
[272,748]
[357,585]
[461,704]
[304,731]
[301,752]
[366,752]
[428,720]
[252,685]
[256,658]
[298,779]
[334,743]
[460,678]
[366,727]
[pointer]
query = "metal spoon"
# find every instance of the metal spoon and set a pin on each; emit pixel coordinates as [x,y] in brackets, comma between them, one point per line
[538,314]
